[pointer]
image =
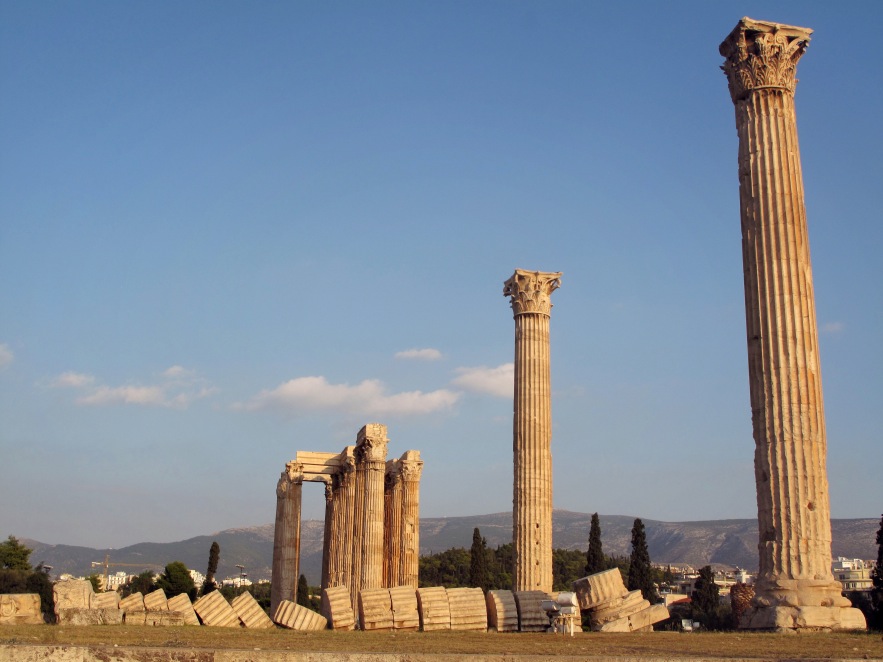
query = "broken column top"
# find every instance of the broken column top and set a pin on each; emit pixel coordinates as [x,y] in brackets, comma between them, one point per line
[371,443]
[762,55]
[529,291]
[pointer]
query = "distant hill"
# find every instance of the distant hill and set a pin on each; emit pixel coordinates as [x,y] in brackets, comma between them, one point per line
[728,542]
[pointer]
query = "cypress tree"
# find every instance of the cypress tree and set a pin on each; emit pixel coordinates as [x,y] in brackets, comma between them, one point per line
[876,620]
[595,561]
[640,571]
[303,592]
[214,555]
[706,595]
[478,574]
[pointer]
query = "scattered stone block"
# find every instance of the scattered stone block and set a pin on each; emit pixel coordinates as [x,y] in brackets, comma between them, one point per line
[214,610]
[502,612]
[82,616]
[637,621]
[595,590]
[295,617]
[20,609]
[405,615]
[108,600]
[434,608]
[163,618]
[337,608]
[250,612]
[181,604]
[134,611]
[156,601]
[72,594]
[531,615]
[629,604]
[468,609]
[375,609]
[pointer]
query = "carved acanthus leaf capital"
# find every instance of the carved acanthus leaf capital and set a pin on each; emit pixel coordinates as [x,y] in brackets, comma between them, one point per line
[411,466]
[371,443]
[762,55]
[530,291]
[292,475]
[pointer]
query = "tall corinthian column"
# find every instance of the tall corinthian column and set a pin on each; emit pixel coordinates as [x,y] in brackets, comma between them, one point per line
[286,536]
[529,293]
[795,588]
[371,462]
[411,469]
[328,539]
[392,524]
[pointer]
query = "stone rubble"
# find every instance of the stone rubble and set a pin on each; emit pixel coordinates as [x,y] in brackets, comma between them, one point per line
[612,607]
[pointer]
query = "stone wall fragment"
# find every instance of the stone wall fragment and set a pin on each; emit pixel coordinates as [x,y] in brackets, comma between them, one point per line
[20,609]
[82,616]
[72,594]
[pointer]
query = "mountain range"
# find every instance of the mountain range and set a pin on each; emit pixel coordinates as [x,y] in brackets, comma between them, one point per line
[727,542]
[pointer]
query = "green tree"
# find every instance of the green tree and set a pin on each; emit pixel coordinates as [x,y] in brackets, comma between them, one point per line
[595,561]
[14,555]
[40,583]
[214,555]
[142,583]
[175,580]
[706,594]
[640,570]
[876,619]
[568,565]
[303,591]
[95,580]
[478,571]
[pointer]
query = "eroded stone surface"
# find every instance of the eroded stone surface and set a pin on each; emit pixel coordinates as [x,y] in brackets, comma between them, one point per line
[213,609]
[295,617]
[181,603]
[20,609]
[72,594]
[337,608]
[83,616]
[250,612]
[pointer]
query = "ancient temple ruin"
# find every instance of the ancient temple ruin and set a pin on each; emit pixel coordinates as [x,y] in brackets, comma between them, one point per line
[795,588]
[372,521]
[529,293]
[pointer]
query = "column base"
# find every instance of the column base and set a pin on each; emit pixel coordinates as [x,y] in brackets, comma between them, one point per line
[792,619]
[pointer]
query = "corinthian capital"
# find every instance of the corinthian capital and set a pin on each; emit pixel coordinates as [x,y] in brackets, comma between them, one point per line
[411,466]
[371,443]
[529,291]
[762,55]
[293,474]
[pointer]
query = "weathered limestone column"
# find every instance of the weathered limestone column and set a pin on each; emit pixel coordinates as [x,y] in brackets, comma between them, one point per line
[343,496]
[411,468]
[328,541]
[358,524]
[795,587]
[392,524]
[371,461]
[286,536]
[529,293]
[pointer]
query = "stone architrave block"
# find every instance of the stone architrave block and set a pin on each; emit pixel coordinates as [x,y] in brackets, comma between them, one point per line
[375,609]
[214,610]
[531,616]
[405,615]
[434,608]
[250,612]
[337,608]
[156,601]
[108,600]
[595,590]
[468,609]
[181,604]
[163,618]
[81,616]
[502,612]
[637,621]
[632,603]
[72,594]
[296,617]
[20,609]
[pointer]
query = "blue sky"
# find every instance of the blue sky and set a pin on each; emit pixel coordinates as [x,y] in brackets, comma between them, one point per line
[230,231]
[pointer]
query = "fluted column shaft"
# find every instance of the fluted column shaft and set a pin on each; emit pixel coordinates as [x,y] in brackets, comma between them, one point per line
[392,525]
[409,566]
[344,495]
[532,429]
[286,536]
[327,540]
[783,358]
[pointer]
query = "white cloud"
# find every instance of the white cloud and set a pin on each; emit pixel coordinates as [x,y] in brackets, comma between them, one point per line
[499,381]
[833,328]
[427,354]
[178,390]
[71,380]
[368,397]
[6,355]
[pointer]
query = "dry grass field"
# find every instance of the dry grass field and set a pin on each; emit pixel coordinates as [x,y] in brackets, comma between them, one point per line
[647,645]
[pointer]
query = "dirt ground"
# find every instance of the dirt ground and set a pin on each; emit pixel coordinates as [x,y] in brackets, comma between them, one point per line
[649,645]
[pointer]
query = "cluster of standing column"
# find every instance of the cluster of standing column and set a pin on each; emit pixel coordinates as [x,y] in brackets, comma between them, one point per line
[372,521]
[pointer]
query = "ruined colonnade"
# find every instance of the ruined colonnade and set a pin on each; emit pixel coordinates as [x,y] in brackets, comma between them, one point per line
[795,587]
[371,536]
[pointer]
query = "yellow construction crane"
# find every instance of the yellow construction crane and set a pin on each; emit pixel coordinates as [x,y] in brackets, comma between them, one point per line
[107,565]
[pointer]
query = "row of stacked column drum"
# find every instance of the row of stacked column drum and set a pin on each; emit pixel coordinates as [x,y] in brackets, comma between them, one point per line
[436,608]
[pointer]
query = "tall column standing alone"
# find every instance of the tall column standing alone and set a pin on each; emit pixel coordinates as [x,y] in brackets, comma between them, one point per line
[795,587]
[411,469]
[529,293]
[286,536]
[371,460]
